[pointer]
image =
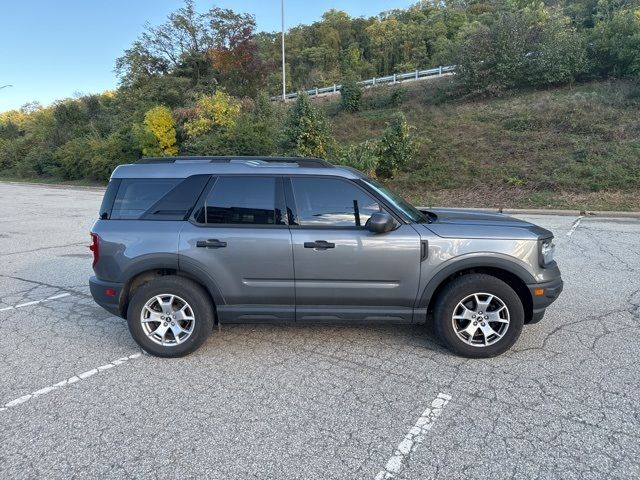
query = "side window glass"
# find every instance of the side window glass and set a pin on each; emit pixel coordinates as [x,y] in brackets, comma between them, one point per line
[332,202]
[177,204]
[136,195]
[241,200]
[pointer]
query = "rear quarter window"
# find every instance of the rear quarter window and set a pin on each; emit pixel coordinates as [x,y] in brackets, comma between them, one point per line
[136,195]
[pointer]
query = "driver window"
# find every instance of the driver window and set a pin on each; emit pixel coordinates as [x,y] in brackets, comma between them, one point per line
[332,202]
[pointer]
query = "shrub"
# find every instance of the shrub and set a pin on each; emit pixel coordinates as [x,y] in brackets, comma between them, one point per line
[40,163]
[107,153]
[362,156]
[350,96]
[306,132]
[398,95]
[74,158]
[218,110]
[248,137]
[91,157]
[396,147]
[11,153]
[384,97]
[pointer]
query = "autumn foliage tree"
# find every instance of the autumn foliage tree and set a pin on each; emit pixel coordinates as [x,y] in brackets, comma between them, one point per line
[157,135]
[212,48]
[234,53]
[217,110]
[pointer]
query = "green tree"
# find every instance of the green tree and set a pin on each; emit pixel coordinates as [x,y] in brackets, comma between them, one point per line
[521,47]
[616,42]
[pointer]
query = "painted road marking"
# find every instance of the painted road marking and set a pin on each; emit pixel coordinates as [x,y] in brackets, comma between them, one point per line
[35,302]
[415,436]
[574,226]
[68,381]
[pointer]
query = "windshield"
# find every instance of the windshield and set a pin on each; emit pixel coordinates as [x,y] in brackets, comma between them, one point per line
[397,201]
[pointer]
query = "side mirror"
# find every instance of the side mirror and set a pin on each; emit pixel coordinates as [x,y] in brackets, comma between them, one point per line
[381,222]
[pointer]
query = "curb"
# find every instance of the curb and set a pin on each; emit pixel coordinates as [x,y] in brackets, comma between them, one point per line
[56,185]
[573,213]
[538,211]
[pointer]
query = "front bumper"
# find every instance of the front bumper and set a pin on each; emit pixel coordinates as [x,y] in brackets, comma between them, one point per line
[543,295]
[99,288]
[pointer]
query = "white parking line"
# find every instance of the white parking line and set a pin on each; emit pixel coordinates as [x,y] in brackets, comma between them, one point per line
[573,228]
[68,381]
[416,435]
[35,302]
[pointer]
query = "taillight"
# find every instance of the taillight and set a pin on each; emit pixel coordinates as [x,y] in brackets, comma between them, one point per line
[95,248]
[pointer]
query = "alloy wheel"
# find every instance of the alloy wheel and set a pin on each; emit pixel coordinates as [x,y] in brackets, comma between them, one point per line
[167,320]
[480,319]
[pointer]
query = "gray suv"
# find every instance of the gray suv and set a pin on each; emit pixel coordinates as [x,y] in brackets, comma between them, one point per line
[185,243]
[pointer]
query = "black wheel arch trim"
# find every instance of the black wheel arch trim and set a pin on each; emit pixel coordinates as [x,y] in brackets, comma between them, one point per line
[170,261]
[199,274]
[145,263]
[456,265]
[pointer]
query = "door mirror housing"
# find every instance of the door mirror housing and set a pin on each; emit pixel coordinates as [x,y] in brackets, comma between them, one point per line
[381,222]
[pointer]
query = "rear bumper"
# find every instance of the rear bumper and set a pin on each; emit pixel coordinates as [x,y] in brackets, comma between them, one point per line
[550,292]
[111,303]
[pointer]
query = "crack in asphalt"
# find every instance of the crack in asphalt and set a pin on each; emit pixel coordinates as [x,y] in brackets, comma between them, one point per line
[69,290]
[43,248]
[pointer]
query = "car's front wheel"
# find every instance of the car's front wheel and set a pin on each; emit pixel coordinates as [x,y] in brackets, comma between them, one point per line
[478,315]
[170,316]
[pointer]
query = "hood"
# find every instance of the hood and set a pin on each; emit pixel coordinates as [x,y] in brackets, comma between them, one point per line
[459,223]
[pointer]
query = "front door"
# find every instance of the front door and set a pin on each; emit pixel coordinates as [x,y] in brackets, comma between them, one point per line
[238,237]
[342,270]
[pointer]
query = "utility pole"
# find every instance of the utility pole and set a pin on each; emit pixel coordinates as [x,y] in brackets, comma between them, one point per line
[284,74]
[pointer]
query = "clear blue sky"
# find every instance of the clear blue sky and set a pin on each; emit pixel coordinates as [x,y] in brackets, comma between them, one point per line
[52,49]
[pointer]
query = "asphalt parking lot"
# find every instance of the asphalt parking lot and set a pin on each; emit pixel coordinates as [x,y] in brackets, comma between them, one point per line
[78,399]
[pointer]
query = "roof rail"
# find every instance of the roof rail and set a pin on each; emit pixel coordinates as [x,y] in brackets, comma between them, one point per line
[306,162]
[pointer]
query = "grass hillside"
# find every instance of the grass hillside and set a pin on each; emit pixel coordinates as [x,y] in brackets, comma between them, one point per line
[572,147]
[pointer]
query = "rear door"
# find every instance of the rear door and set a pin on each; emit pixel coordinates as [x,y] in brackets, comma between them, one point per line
[342,270]
[239,236]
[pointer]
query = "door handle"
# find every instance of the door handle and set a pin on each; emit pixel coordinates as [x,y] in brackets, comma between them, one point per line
[319,244]
[211,243]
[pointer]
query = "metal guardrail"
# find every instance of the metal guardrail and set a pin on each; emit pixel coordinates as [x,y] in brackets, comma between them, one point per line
[372,82]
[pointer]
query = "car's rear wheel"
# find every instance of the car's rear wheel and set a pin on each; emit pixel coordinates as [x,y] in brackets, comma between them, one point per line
[170,316]
[478,315]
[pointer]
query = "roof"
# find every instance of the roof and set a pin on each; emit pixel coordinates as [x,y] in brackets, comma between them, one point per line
[300,161]
[182,167]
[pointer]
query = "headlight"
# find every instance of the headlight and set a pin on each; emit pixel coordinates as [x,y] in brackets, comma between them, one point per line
[547,249]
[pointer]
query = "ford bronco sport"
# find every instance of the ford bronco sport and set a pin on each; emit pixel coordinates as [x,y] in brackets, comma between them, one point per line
[184,243]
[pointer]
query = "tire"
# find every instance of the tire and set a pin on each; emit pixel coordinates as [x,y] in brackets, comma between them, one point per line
[184,330]
[467,296]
